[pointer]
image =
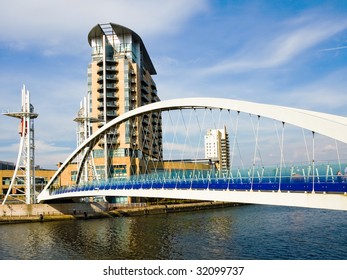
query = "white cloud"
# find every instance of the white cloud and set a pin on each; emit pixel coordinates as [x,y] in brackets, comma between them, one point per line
[59,26]
[334,49]
[49,154]
[273,50]
[11,148]
[178,150]
[326,94]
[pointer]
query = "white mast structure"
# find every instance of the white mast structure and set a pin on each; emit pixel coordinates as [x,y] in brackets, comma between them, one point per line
[84,130]
[24,173]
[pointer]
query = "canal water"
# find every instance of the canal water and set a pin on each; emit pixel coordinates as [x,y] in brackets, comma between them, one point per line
[250,232]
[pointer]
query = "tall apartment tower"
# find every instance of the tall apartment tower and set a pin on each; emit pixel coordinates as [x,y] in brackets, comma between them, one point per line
[119,80]
[217,147]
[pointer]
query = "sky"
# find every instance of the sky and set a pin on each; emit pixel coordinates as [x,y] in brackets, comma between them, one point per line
[290,52]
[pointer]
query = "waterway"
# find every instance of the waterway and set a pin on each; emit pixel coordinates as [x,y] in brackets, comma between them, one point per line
[245,232]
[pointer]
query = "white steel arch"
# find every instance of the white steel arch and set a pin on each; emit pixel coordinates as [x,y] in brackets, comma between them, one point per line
[329,125]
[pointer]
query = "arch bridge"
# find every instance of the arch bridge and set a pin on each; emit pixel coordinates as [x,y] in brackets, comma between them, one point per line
[275,155]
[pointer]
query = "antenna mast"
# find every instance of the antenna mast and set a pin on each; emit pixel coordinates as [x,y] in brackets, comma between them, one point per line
[23,179]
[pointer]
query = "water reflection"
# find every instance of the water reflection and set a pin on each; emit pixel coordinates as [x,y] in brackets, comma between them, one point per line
[247,232]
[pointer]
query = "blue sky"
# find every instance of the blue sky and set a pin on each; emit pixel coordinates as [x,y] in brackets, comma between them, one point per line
[288,52]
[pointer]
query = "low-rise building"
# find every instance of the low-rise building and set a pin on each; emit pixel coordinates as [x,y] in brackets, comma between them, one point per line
[42,176]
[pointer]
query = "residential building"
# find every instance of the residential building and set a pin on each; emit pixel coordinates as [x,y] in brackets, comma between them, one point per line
[217,148]
[119,80]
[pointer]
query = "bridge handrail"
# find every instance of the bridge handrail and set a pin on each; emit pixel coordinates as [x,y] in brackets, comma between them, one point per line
[207,179]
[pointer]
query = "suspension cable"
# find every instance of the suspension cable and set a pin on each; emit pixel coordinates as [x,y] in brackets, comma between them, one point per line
[282,156]
[313,159]
[338,155]
[307,152]
[200,137]
[186,135]
[236,142]
[257,143]
[232,151]
[255,149]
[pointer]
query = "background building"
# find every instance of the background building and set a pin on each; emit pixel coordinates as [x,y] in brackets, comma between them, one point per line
[42,176]
[217,148]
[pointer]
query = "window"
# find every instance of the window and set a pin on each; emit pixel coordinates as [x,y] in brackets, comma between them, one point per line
[73,176]
[6,181]
[118,153]
[20,181]
[119,171]
[100,171]
[98,153]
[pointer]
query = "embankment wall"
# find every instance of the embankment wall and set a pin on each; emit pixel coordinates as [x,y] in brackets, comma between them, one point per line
[16,210]
[18,213]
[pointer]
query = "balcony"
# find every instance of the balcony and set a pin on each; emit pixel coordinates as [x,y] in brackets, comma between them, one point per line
[112,104]
[100,106]
[108,62]
[155,115]
[112,87]
[110,142]
[100,97]
[111,113]
[100,70]
[112,95]
[145,147]
[144,90]
[113,133]
[155,98]
[144,83]
[109,95]
[134,143]
[109,104]
[146,131]
[145,98]
[109,69]
[109,78]
[109,86]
